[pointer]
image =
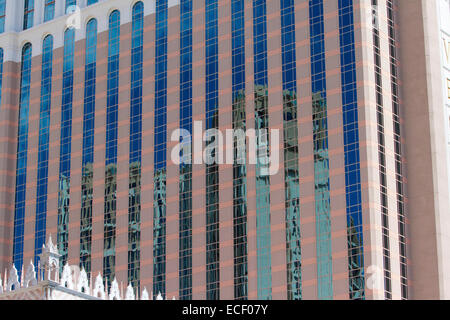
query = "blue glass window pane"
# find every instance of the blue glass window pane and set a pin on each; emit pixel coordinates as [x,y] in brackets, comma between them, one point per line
[22,155]
[44,134]
[49,11]
[28,14]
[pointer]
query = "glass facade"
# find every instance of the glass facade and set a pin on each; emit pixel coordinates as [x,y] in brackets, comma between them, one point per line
[28,14]
[49,10]
[134,183]
[22,156]
[252,219]
[160,151]
[212,170]
[291,170]
[112,100]
[2,15]
[261,94]
[240,243]
[185,187]
[87,175]
[397,149]
[321,155]
[65,152]
[351,151]
[384,209]
[44,135]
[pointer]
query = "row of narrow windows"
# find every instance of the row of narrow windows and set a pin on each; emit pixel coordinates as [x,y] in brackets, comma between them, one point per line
[28,11]
[65,152]
[159,232]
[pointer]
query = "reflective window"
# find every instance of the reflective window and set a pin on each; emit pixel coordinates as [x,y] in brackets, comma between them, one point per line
[44,134]
[240,248]
[212,170]
[351,151]
[261,93]
[160,151]
[185,187]
[321,154]
[112,102]
[291,170]
[134,188]
[22,156]
[87,175]
[49,11]
[89,2]
[28,14]
[65,146]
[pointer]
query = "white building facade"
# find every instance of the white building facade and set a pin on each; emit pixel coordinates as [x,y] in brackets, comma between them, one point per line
[444,33]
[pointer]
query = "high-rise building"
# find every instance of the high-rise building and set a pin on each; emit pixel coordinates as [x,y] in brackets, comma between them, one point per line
[342,104]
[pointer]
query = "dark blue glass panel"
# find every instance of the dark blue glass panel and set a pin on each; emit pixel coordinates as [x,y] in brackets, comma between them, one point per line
[351,150]
[22,156]
[112,101]
[87,175]
[160,150]
[185,187]
[65,146]
[44,134]
[134,195]
[240,246]
[212,171]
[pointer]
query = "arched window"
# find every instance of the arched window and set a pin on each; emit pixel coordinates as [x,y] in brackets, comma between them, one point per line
[134,207]
[65,145]
[22,155]
[87,186]
[109,248]
[44,133]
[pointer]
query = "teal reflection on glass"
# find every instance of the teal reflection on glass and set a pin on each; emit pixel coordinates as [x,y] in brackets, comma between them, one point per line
[65,146]
[321,156]
[261,95]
